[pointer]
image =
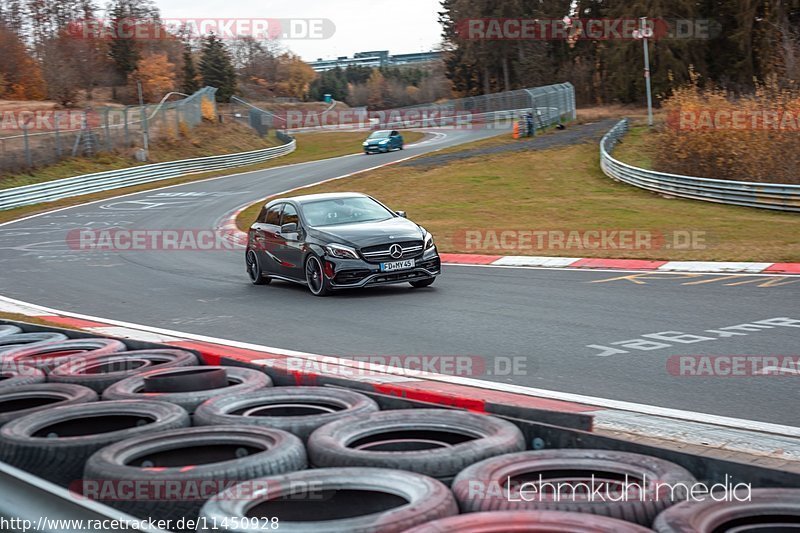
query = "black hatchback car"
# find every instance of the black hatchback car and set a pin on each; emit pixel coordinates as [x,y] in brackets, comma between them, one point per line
[338,241]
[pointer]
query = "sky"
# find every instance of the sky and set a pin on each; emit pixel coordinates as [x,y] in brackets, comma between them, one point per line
[400,26]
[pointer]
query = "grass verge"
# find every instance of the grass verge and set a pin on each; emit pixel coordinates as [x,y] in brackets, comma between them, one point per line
[310,147]
[203,141]
[563,189]
[637,147]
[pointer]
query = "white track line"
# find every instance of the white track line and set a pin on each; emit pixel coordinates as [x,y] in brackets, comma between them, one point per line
[677,414]
[665,274]
[214,178]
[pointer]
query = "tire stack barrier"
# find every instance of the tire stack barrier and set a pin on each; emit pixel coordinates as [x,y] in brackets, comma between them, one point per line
[241,450]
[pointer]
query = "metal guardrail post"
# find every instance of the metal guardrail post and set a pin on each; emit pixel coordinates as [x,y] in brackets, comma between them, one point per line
[28,158]
[114,179]
[57,118]
[775,196]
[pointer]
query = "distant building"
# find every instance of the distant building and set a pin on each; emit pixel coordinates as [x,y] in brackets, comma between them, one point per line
[374,59]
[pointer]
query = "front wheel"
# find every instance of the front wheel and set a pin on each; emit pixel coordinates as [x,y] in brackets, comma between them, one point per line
[401,146]
[423,283]
[254,269]
[318,284]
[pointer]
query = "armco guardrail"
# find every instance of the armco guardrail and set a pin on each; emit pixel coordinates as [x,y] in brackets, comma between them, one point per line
[126,177]
[781,197]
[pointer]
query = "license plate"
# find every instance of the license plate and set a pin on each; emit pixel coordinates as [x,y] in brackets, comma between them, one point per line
[397,265]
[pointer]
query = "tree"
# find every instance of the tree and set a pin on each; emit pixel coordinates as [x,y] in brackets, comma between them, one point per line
[21,74]
[333,82]
[60,72]
[189,77]
[294,76]
[378,90]
[217,69]
[124,49]
[157,76]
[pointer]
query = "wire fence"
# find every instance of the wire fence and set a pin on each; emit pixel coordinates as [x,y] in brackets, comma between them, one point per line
[548,105]
[49,136]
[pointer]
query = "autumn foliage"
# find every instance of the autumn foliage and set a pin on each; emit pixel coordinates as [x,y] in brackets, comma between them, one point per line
[710,133]
[157,75]
[20,76]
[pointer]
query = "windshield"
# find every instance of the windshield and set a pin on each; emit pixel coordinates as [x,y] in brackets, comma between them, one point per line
[344,211]
[379,134]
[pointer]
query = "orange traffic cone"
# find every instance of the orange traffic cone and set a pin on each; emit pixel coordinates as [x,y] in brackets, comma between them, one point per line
[515,131]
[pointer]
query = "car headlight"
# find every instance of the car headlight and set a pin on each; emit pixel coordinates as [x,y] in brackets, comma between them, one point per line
[341,251]
[428,241]
[365,143]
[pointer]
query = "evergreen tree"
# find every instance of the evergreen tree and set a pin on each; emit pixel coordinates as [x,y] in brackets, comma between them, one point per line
[122,47]
[189,81]
[216,68]
[333,82]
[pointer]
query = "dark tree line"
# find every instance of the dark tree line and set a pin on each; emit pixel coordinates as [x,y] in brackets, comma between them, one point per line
[748,39]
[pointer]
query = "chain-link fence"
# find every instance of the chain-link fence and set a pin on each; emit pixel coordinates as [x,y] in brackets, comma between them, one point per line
[48,136]
[545,106]
[550,103]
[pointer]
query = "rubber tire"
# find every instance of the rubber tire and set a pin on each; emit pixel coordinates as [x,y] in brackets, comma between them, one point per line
[710,516]
[74,372]
[192,379]
[428,500]
[529,521]
[8,329]
[69,394]
[492,474]
[28,340]
[217,411]
[328,445]
[21,376]
[36,356]
[282,453]
[61,460]
[422,284]
[245,380]
[259,278]
[325,289]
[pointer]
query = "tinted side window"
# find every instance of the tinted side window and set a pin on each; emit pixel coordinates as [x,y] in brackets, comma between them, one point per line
[395,134]
[289,215]
[274,215]
[262,216]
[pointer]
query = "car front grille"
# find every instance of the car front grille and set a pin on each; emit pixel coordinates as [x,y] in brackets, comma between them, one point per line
[348,277]
[380,253]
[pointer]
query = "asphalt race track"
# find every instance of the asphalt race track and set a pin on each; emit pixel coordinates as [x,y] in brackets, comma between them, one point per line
[563,323]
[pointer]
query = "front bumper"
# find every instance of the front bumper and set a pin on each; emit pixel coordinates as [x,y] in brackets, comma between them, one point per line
[376,148]
[355,273]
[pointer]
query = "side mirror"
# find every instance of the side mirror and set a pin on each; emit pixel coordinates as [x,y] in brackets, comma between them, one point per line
[401,213]
[291,227]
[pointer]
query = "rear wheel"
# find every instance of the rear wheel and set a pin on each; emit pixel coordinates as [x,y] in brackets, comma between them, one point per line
[422,283]
[254,269]
[318,284]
